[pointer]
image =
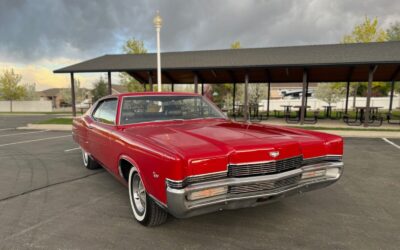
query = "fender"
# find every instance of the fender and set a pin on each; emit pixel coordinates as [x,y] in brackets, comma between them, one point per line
[137,168]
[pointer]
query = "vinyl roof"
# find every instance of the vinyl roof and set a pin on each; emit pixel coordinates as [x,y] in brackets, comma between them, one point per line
[335,62]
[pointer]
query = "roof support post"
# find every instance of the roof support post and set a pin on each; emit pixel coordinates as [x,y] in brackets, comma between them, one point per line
[391,96]
[246,98]
[234,98]
[202,88]
[150,82]
[369,92]
[73,95]
[349,75]
[196,83]
[109,83]
[306,96]
[303,97]
[346,108]
[172,87]
[268,96]
[392,88]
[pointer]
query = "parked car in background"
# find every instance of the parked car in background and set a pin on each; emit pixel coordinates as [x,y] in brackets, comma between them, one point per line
[179,154]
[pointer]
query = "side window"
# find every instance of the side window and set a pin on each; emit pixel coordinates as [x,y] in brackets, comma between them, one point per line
[106,111]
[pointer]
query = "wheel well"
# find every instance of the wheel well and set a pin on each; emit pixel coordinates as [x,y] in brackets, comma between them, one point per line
[125,166]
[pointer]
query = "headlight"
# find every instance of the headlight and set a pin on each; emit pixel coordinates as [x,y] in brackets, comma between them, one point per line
[207,193]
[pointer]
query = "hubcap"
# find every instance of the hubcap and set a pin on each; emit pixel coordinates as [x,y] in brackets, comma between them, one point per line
[85,157]
[139,194]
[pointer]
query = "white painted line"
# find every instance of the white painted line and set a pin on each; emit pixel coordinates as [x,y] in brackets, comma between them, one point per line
[43,139]
[391,143]
[1,129]
[72,149]
[25,133]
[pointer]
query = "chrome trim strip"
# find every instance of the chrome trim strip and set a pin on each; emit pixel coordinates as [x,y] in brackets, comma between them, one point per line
[162,204]
[262,162]
[262,178]
[180,182]
[198,175]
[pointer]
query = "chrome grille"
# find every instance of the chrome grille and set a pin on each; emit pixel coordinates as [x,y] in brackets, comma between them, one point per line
[272,167]
[264,186]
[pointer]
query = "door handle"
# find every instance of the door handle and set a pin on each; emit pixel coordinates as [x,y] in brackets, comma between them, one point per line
[90,127]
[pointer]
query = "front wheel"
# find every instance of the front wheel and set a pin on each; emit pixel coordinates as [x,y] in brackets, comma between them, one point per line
[144,209]
[88,161]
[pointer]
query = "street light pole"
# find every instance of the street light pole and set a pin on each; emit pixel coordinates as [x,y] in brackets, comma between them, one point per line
[157,24]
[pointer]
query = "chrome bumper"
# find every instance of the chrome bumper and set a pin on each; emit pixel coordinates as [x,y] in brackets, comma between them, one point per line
[179,206]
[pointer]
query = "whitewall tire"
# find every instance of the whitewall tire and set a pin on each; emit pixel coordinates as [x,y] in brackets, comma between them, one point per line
[88,161]
[144,209]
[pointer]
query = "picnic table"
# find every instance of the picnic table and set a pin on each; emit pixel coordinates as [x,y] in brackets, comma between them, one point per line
[361,113]
[297,118]
[328,111]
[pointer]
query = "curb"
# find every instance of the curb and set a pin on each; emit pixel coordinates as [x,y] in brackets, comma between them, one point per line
[363,134]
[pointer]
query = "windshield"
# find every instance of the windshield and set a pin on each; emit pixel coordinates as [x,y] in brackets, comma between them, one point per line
[159,108]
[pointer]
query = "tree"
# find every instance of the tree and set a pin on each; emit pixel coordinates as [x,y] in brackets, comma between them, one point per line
[132,46]
[236,45]
[10,89]
[80,93]
[329,93]
[256,92]
[222,93]
[99,89]
[30,92]
[366,32]
[393,32]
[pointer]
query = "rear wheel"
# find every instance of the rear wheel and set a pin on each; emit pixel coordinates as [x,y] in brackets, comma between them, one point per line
[144,209]
[88,161]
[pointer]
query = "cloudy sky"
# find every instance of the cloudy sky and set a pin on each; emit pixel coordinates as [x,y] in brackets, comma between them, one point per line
[38,36]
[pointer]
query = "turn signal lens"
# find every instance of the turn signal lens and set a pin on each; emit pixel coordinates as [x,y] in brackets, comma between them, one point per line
[207,193]
[332,173]
[313,174]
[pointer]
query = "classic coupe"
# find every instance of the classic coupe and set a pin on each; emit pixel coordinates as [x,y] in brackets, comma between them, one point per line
[179,154]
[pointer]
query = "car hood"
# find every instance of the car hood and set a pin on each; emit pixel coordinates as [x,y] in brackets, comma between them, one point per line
[239,141]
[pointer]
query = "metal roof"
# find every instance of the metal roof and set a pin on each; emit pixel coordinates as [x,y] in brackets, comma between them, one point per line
[335,62]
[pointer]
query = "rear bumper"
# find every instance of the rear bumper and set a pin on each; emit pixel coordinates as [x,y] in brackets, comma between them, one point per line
[180,207]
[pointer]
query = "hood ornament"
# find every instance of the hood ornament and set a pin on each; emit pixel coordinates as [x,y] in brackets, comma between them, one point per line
[274,154]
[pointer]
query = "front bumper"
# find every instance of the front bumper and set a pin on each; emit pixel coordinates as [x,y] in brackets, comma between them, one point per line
[179,206]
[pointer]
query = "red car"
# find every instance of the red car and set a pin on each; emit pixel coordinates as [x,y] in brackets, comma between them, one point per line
[179,154]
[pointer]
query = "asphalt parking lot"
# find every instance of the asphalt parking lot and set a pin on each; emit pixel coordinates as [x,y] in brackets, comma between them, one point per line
[49,201]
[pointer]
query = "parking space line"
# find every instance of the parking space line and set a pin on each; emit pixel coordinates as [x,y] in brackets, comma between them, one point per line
[35,132]
[72,149]
[391,143]
[42,139]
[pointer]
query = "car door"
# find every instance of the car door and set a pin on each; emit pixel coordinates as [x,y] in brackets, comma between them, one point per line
[104,117]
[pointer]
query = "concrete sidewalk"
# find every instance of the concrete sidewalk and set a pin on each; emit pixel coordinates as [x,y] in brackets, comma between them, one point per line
[54,127]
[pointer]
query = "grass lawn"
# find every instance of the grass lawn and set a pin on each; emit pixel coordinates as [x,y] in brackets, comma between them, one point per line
[63,121]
